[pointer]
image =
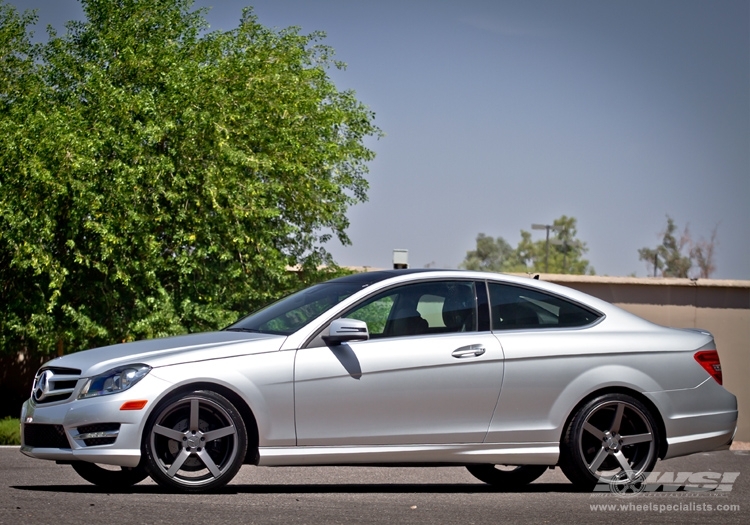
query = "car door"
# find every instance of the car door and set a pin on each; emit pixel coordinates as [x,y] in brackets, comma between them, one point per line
[546,347]
[427,375]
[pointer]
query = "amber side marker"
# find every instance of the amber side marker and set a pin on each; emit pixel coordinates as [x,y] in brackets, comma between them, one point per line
[134,405]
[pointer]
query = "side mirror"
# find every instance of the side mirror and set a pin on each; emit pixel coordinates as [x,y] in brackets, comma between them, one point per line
[343,330]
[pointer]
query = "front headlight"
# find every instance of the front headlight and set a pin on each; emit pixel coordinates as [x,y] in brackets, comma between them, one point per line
[114,381]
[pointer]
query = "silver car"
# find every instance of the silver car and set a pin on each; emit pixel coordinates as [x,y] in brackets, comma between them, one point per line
[505,375]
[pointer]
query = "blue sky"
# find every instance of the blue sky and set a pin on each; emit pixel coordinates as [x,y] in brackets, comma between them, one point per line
[500,114]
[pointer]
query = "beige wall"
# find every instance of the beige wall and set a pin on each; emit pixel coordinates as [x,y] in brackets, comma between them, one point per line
[721,307]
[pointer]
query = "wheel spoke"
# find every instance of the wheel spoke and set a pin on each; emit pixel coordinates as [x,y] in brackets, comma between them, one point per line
[194,405]
[178,461]
[598,460]
[220,433]
[617,420]
[591,429]
[210,465]
[636,438]
[168,432]
[623,461]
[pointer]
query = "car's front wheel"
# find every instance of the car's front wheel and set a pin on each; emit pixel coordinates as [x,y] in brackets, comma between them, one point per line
[507,476]
[612,439]
[195,442]
[112,478]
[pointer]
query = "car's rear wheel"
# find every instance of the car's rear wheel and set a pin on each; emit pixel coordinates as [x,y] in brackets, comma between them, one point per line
[613,438]
[507,476]
[195,442]
[110,477]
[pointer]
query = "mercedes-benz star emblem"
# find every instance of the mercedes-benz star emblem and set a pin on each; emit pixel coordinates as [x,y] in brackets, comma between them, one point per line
[42,385]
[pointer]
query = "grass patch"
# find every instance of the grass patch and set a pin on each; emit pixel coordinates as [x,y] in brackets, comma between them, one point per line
[10,431]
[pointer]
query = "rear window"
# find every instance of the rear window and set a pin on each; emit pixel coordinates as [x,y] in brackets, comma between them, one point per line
[515,308]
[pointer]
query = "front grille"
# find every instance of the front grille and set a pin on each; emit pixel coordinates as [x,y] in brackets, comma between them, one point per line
[44,436]
[53,398]
[53,384]
[61,370]
[98,434]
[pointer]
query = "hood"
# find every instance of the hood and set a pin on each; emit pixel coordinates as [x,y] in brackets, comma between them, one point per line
[169,351]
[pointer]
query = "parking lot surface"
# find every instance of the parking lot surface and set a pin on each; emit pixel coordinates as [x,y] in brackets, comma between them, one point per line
[35,491]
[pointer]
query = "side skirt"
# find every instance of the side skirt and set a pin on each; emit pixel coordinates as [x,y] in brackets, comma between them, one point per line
[449,454]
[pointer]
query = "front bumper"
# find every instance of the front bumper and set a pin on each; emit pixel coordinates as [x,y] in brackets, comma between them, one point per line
[93,430]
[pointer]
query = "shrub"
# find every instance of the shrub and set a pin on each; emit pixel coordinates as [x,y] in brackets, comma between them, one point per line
[10,431]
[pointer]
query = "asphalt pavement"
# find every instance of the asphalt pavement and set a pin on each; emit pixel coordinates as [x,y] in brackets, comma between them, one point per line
[40,492]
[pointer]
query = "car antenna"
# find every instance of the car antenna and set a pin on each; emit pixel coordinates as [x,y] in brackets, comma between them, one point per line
[536,277]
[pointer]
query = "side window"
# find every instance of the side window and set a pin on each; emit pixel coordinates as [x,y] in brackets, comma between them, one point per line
[514,307]
[420,308]
[375,313]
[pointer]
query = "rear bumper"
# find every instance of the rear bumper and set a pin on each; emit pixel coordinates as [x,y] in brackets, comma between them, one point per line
[699,419]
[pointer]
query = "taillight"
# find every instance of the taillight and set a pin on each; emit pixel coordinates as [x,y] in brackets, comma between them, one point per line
[709,360]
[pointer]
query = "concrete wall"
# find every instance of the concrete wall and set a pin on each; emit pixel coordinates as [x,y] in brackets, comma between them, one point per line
[720,306]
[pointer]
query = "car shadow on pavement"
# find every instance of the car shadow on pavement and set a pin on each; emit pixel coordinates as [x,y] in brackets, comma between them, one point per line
[379,488]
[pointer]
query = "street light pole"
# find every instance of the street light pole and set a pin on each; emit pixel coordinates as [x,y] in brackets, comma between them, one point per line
[566,246]
[547,227]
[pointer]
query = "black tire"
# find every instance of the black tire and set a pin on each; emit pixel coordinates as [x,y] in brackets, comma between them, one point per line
[507,477]
[194,442]
[613,438]
[112,478]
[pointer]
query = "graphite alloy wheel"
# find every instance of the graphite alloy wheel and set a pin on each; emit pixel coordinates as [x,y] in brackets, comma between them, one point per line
[507,476]
[195,442]
[612,439]
[110,477]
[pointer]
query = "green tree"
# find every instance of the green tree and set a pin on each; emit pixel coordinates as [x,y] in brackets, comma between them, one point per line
[565,252]
[490,255]
[156,178]
[679,253]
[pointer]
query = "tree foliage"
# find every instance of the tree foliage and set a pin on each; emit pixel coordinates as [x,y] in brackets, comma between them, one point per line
[157,178]
[703,254]
[490,255]
[679,253]
[565,252]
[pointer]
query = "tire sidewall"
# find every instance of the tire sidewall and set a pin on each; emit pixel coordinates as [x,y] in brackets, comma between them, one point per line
[110,479]
[507,479]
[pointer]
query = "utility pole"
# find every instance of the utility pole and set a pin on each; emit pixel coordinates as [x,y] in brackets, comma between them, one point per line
[547,227]
[566,246]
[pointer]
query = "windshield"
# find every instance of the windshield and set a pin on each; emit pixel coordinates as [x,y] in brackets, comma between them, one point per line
[291,313]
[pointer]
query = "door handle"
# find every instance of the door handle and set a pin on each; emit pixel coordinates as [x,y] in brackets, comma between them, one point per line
[468,351]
